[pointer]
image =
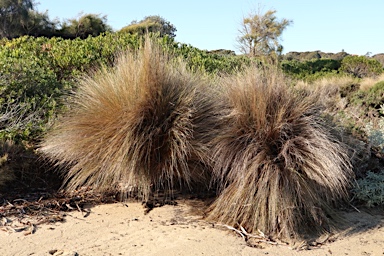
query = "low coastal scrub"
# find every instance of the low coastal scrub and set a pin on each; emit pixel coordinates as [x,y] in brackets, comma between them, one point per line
[370,190]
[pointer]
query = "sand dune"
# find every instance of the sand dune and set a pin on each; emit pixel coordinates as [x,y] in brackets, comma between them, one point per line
[125,229]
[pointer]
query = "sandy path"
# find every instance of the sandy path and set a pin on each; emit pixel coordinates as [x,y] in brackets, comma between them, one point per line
[119,229]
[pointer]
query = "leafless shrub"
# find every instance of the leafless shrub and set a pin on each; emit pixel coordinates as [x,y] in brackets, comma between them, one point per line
[15,116]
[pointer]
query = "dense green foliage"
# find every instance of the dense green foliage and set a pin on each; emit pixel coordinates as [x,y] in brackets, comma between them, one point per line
[19,18]
[84,26]
[26,82]
[151,24]
[310,69]
[370,190]
[302,56]
[212,63]
[361,66]
[37,72]
[310,66]
[14,16]
[371,100]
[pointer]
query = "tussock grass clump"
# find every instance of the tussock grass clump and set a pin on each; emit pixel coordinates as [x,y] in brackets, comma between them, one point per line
[278,167]
[143,124]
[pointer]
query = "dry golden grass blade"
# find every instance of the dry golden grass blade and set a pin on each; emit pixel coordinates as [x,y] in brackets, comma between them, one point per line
[277,166]
[143,124]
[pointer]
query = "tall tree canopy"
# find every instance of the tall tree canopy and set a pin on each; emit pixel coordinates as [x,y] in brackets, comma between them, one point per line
[14,16]
[85,25]
[260,33]
[19,17]
[39,24]
[155,24]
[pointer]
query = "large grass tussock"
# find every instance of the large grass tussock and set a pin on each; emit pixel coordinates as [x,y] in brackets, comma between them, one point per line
[277,165]
[143,124]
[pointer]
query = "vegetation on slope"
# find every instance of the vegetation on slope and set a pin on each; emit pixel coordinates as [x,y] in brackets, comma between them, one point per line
[38,75]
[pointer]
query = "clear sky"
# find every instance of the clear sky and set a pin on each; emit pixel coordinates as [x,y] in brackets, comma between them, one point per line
[355,26]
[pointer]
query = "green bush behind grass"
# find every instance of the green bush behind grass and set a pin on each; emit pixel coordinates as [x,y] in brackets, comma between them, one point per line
[311,70]
[370,190]
[372,99]
[35,74]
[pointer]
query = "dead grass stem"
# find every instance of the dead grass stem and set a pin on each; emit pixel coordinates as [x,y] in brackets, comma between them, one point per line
[143,125]
[278,167]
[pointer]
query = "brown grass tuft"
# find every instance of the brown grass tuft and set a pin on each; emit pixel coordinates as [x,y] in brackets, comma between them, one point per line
[143,124]
[369,82]
[277,166]
[331,91]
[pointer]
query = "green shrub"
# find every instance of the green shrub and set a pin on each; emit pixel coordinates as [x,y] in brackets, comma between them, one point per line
[37,72]
[361,66]
[311,70]
[375,134]
[29,91]
[370,190]
[371,100]
[211,63]
[302,56]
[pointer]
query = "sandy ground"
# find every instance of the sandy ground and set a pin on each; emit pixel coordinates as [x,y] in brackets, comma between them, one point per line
[124,229]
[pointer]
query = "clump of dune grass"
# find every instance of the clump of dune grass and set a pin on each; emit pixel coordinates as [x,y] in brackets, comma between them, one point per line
[277,166]
[142,125]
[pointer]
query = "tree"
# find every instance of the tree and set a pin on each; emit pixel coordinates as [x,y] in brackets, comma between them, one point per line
[39,24]
[14,15]
[155,24]
[88,24]
[260,33]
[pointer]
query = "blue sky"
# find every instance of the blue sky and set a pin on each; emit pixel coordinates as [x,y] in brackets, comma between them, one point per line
[356,27]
